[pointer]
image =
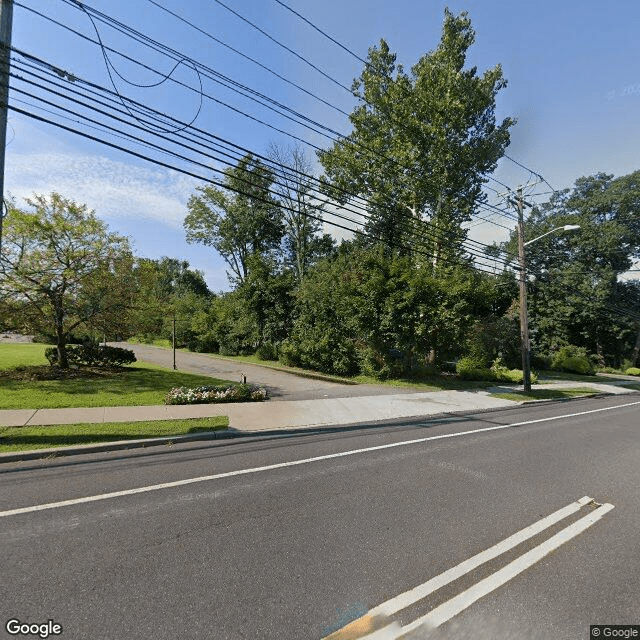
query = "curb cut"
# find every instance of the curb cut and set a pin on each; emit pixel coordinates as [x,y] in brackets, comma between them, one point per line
[232,434]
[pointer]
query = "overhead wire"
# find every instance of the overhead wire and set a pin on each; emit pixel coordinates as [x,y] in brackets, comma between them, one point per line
[146,110]
[469,249]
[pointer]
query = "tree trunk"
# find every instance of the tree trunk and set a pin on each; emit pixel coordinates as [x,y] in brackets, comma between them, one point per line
[61,342]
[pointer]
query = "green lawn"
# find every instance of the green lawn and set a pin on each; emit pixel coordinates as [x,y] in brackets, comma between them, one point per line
[546,394]
[27,438]
[138,384]
[23,354]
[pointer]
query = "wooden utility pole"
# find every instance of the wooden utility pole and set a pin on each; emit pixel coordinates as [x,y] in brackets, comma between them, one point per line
[6,21]
[524,319]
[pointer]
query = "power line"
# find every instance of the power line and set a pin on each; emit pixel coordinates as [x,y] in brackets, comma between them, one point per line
[458,262]
[181,58]
[146,112]
[284,46]
[474,252]
[249,58]
[326,35]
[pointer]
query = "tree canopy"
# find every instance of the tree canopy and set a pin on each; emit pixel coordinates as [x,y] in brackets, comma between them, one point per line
[239,220]
[422,143]
[61,269]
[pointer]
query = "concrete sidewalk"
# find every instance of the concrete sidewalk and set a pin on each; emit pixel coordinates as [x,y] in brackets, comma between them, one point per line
[274,418]
[295,414]
[261,416]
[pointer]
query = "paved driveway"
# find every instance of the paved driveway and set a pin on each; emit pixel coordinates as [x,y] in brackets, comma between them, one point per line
[281,385]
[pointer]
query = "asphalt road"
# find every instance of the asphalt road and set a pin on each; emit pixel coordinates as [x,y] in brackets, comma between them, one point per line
[281,385]
[296,550]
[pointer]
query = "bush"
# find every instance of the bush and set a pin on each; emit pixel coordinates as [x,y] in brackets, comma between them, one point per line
[633,371]
[572,359]
[473,369]
[380,365]
[502,374]
[92,355]
[216,394]
[267,351]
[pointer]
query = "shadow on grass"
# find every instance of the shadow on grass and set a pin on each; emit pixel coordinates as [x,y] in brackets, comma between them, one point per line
[123,382]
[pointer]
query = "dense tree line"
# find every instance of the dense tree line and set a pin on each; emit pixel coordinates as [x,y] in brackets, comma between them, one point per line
[402,297]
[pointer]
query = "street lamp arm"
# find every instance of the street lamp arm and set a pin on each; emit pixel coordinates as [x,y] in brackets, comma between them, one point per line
[566,227]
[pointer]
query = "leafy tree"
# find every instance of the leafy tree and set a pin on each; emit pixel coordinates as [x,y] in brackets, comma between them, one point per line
[168,288]
[304,242]
[239,220]
[422,143]
[61,269]
[575,297]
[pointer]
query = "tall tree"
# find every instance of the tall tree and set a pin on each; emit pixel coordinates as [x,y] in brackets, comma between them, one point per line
[239,220]
[304,242]
[62,269]
[575,296]
[422,143]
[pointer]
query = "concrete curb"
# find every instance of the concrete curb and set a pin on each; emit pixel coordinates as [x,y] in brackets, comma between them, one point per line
[226,434]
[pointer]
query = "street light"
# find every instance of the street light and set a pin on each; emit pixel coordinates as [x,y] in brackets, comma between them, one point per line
[566,227]
[524,321]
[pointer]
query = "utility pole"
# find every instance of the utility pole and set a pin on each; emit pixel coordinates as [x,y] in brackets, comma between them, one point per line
[524,320]
[6,21]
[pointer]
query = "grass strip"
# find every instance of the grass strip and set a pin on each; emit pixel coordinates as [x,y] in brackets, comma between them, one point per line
[546,394]
[60,435]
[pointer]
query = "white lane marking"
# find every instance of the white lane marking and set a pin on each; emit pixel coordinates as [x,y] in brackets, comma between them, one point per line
[449,609]
[412,596]
[293,463]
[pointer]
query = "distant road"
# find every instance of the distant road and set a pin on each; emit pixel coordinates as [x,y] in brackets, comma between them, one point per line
[282,386]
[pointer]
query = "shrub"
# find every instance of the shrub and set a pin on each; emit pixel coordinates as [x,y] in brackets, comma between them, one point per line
[381,365]
[572,359]
[633,371]
[473,369]
[215,394]
[91,355]
[289,354]
[503,374]
[267,351]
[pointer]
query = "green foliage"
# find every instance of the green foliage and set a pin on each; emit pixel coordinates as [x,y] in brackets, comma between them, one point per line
[633,371]
[62,271]
[573,360]
[494,337]
[267,351]
[304,243]
[422,143]
[91,355]
[470,368]
[575,275]
[239,221]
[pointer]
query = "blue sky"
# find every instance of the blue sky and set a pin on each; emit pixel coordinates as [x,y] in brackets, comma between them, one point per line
[572,68]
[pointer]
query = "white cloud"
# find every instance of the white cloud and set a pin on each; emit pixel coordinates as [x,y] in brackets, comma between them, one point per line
[113,189]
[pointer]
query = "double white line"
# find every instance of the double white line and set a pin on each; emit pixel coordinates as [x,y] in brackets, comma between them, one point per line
[373,627]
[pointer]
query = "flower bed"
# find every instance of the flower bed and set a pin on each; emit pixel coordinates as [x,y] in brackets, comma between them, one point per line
[221,393]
